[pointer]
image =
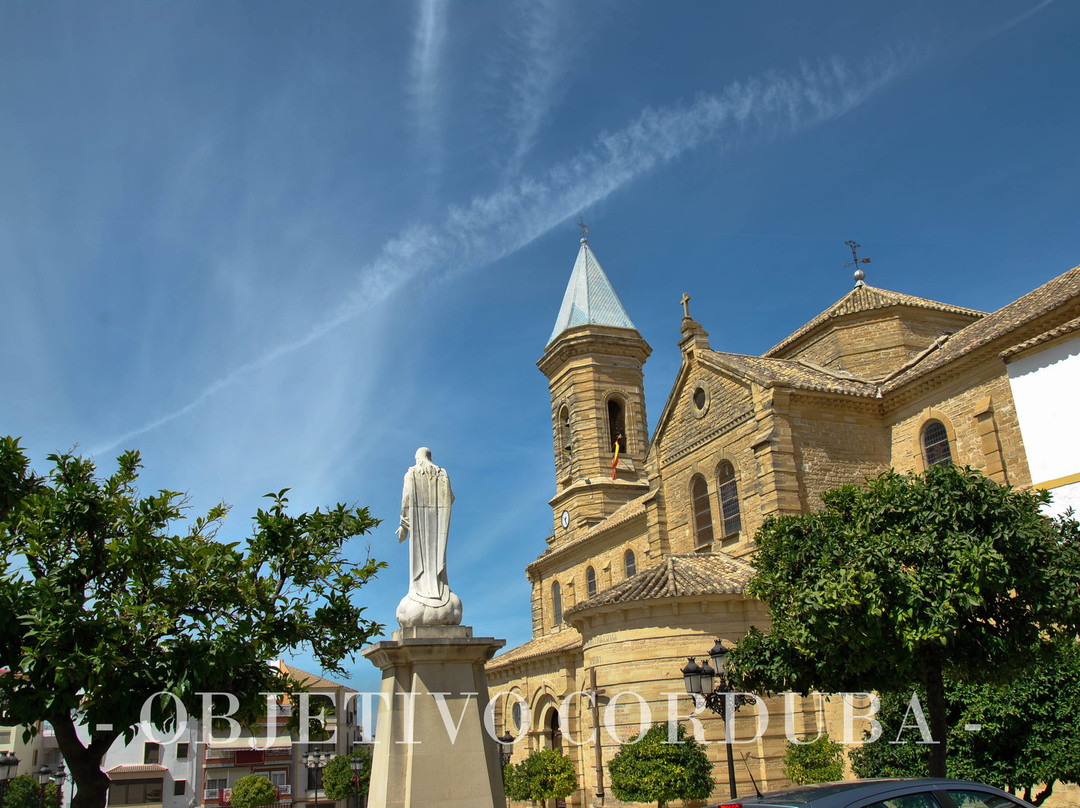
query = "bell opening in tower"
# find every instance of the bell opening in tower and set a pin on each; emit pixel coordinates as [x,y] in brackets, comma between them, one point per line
[616,425]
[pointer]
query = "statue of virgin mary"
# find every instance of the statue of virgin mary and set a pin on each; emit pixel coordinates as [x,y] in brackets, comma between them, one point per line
[426,500]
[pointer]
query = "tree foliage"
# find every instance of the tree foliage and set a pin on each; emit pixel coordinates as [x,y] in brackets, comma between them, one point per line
[339,781]
[115,599]
[253,791]
[544,775]
[653,770]
[819,761]
[24,791]
[1028,736]
[910,578]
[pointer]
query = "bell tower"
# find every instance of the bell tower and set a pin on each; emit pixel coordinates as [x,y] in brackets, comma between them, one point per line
[593,363]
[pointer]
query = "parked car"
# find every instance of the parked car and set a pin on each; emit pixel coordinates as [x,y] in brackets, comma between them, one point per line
[927,792]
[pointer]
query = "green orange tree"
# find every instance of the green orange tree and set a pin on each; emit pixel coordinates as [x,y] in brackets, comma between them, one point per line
[652,769]
[544,775]
[911,578]
[110,597]
[1021,735]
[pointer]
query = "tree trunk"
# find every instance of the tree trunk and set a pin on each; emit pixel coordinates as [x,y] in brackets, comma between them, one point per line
[935,702]
[1041,797]
[84,763]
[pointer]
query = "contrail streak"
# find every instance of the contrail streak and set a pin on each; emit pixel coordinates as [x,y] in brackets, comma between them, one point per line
[491,227]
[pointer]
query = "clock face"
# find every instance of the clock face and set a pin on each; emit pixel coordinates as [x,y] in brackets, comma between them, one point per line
[566,519]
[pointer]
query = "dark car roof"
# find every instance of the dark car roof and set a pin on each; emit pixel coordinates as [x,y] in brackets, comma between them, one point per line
[836,795]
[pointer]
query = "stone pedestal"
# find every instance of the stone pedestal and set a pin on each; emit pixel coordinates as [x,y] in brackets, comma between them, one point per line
[418,762]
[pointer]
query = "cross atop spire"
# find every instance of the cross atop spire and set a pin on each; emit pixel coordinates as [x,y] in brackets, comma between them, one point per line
[685,305]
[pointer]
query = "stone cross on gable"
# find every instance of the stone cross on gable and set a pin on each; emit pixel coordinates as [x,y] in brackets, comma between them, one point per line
[686,305]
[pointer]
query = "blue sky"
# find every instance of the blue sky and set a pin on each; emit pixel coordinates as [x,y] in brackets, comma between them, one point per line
[284,244]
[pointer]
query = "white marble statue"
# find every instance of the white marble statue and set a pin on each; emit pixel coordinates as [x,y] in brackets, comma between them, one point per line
[425,521]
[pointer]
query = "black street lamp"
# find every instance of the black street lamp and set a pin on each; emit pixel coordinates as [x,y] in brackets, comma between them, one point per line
[51,774]
[9,764]
[506,750]
[357,765]
[713,684]
[59,776]
[315,764]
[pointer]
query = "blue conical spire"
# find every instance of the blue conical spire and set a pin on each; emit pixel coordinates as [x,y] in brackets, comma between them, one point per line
[589,298]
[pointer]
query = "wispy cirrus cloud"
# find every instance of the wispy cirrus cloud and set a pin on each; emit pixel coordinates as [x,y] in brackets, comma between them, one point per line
[543,55]
[429,39]
[495,225]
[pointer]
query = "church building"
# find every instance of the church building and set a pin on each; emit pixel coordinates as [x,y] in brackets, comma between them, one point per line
[652,544]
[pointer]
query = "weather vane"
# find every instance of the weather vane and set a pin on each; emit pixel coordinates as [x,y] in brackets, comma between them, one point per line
[855,261]
[581,224]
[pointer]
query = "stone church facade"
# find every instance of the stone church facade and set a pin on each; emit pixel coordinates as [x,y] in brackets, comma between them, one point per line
[649,557]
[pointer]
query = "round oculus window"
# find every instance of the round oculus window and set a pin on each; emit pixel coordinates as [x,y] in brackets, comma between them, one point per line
[700,398]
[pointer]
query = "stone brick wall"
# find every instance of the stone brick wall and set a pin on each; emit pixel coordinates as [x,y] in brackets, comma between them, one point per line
[695,442]
[639,651]
[977,409]
[874,344]
[835,443]
[604,553]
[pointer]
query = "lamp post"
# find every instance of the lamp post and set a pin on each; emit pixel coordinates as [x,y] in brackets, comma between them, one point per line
[713,684]
[9,764]
[506,750]
[46,775]
[315,764]
[59,776]
[357,766]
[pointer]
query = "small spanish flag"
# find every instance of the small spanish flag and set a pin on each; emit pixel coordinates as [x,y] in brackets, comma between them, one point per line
[615,462]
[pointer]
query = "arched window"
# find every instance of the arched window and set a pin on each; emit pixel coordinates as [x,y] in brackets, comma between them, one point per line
[590,581]
[556,731]
[630,563]
[556,603]
[564,432]
[616,414]
[729,499]
[703,534]
[935,443]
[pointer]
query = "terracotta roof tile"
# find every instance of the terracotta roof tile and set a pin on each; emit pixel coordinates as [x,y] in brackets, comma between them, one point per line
[763,369]
[998,325]
[310,680]
[1046,336]
[867,298]
[624,513]
[140,768]
[566,640]
[678,576]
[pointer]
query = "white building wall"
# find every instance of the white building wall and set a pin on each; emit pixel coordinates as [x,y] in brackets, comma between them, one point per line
[187,768]
[1046,388]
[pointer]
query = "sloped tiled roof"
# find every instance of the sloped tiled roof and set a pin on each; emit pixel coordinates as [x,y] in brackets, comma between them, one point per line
[867,298]
[1046,336]
[135,768]
[623,514]
[763,369]
[589,298]
[566,640]
[310,680]
[678,576]
[997,325]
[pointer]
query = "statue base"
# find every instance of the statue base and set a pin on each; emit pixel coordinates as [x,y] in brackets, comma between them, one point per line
[427,753]
[412,613]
